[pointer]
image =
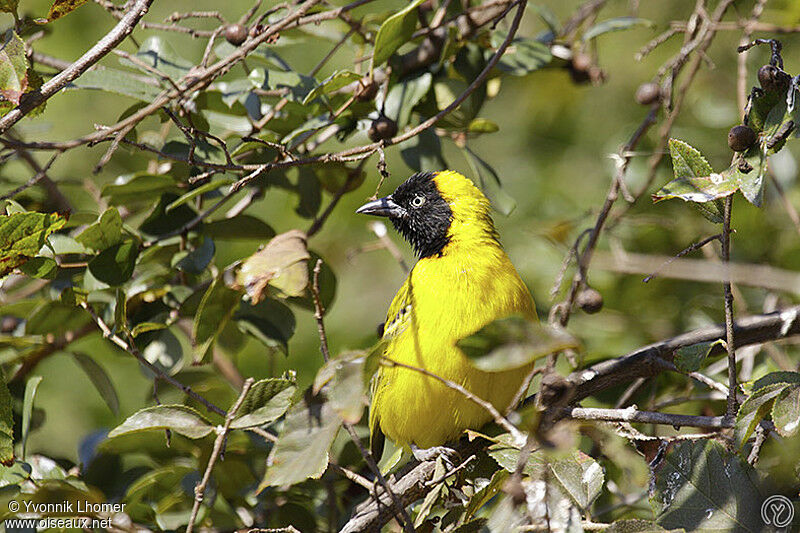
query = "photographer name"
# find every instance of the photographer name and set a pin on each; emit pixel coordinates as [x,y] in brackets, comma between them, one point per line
[79,507]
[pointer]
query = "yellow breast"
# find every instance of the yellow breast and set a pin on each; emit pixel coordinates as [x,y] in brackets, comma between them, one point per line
[444,299]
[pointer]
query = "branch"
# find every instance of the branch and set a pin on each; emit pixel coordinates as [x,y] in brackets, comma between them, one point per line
[646,417]
[123,28]
[222,432]
[654,359]
[134,351]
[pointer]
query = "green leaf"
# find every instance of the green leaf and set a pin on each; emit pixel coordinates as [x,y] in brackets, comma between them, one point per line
[776,377]
[446,91]
[698,190]
[482,125]
[637,526]
[22,235]
[786,411]
[702,484]
[337,80]
[270,322]
[346,386]
[117,82]
[104,233]
[513,342]
[100,379]
[115,265]
[423,152]
[690,358]
[266,401]
[523,56]
[302,448]
[40,267]
[13,68]
[753,410]
[751,183]
[178,418]
[63,7]
[281,264]
[489,182]
[615,24]
[196,261]
[218,305]
[159,54]
[6,423]
[489,491]
[161,222]
[393,33]
[27,410]
[197,191]
[580,476]
[404,96]
[696,182]
[240,227]
[135,188]
[335,177]
[144,327]
[162,349]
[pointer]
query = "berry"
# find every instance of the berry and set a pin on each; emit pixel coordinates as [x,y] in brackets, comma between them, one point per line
[740,138]
[235,34]
[382,128]
[589,300]
[648,93]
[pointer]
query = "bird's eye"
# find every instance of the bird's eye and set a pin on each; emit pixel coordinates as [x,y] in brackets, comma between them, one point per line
[417,201]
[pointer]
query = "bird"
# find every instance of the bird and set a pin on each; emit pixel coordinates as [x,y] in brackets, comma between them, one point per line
[462,280]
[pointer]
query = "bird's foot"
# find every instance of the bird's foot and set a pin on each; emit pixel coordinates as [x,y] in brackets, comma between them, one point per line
[450,456]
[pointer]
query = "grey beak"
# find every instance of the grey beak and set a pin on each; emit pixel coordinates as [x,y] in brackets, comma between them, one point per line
[383,207]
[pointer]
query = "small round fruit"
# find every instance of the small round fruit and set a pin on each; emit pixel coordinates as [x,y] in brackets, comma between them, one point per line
[740,138]
[235,34]
[648,93]
[366,90]
[773,79]
[589,300]
[382,128]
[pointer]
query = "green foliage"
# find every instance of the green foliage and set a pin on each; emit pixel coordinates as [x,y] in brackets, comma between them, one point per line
[178,418]
[395,31]
[513,342]
[13,68]
[22,235]
[703,486]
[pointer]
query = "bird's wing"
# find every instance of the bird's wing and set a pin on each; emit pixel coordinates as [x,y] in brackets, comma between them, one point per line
[397,320]
[399,315]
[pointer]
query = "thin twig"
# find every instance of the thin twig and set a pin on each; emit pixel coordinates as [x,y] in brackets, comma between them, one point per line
[319,312]
[134,351]
[222,432]
[496,415]
[730,345]
[123,28]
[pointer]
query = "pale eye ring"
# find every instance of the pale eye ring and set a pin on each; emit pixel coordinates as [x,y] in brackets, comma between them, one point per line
[417,201]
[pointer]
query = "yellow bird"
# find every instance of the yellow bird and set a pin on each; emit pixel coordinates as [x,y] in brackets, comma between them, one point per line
[462,281]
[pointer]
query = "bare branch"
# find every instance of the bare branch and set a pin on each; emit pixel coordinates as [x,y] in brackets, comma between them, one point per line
[123,28]
[222,433]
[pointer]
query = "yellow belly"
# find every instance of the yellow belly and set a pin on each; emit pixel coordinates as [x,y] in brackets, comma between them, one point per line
[451,297]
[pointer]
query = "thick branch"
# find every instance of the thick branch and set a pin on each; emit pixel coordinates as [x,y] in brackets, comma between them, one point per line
[652,360]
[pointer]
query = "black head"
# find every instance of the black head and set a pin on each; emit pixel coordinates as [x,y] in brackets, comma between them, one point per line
[418,211]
